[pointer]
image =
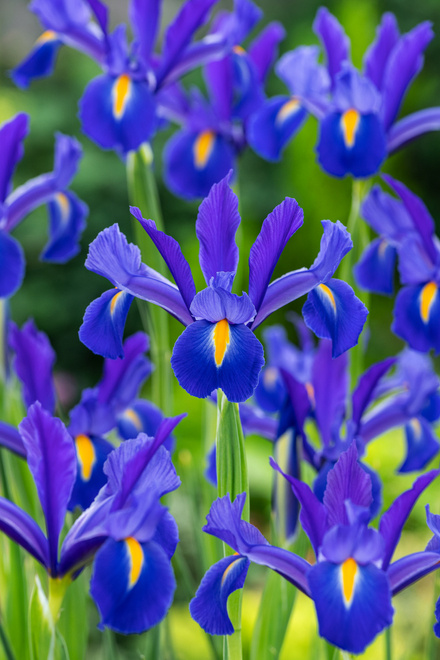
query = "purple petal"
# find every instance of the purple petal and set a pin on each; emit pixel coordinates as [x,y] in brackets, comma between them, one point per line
[12,265]
[422,445]
[214,304]
[375,269]
[411,127]
[172,255]
[12,134]
[103,325]
[52,461]
[224,521]
[145,20]
[277,229]
[304,77]
[40,62]
[217,223]
[377,55]
[333,39]
[407,570]
[386,215]
[263,50]
[393,520]
[363,394]
[67,216]
[33,364]
[22,529]
[404,63]
[11,439]
[330,386]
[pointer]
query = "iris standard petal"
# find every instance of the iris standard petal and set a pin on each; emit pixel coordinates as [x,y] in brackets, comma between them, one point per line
[351,143]
[375,269]
[67,216]
[217,222]
[333,311]
[12,265]
[333,39]
[145,21]
[132,584]
[209,606]
[40,62]
[364,392]
[208,356]
[263,50]
[377,55]
[12,134]
[118,113]
[272,126]
[353,603]
[416,316]
[103,326]
[195,161]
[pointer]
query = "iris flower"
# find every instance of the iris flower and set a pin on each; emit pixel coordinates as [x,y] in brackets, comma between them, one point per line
[126,533]
[353,578]
[406,230]
[114,404]
[357,112]
[66,212]
[214,130]
[120,109]
[218,348]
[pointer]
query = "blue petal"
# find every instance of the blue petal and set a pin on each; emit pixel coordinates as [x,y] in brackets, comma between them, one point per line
[375,270]
[333,312]
[333,39]
[67,216]
[209,606]
[235,369]
[193,162]
[40,62]
[12,134]
[136,608]
[273,126]
[11,265]
[125,125]
[416,317]
[421,443]
[351,625]
[215,303]
[104,321]
[91,455]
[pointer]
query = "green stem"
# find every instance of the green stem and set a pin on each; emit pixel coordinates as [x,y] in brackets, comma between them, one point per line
[143,193]
[388,644]
[3,318]
[57,591]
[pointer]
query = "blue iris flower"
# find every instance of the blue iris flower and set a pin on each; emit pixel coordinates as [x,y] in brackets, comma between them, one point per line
[66,212]
[356,111]
[120,109]
[353,579]
[214,131]
[218,348]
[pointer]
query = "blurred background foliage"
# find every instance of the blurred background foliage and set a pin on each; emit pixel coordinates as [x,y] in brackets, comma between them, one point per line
[56,296]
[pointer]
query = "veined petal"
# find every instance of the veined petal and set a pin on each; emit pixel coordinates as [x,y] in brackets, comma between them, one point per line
[103,326]
[416,316]
[52,462]
[411,127]
[209,606]
[351,143]
[330,386]
[215,303]
[353,604]
[375,269]
[12,265]
[273,125]
[217,223]
[12,134]
[67,216]
[33,364]
[132,584]
[208,356]
[333,39]
[333,311]
[118,113]
[40,62]
[91,454]
[194,162]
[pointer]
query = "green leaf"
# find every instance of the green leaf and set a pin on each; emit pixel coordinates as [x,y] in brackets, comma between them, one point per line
[44,639]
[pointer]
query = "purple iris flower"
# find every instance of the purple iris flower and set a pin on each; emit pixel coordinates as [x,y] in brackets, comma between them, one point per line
[353,579]
[127,534]
[121,108]
[407,231]
[214,130]
[218,348]
[357,112]
[66,212]
[114,404]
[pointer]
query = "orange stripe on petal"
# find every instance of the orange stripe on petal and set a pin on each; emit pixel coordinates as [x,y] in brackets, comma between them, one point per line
[49,35]
[224,576]
[349,571]
[134,418]
[121,93]
[416,427]
[287,110]
[329,293]
[136,556]
[63,202]
[202,148]
[221,340]
[350,123]
[427,297]
[114,302]
[85,452]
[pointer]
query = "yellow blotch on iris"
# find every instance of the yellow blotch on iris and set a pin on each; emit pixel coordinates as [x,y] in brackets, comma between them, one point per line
[63,203]
[329,293]
[427,297]
[310,393]
[349,571]
[229,568]
[416,427]
[115,301]
[287,110]
[49,35]
[134,418]
[221,340]
[202,148]
[85,452]
[350,123]
[121,94]
[136,557]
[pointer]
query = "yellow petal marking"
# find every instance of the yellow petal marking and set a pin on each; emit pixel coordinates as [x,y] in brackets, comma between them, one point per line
[310,393]
[202,148]
[427,298]
[239,50]
[270,376]
[221,340]
[121,92]
[229,568]
[350,122]
[49,35]
[63,202]
[416,427]
[349,571]
[134,418]
[85,452]
[136,556]
[287,110]
[329,293]
[115,301]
